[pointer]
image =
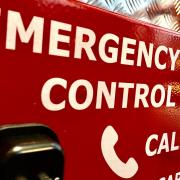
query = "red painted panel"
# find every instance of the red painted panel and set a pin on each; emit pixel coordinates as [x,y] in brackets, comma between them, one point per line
[24,73]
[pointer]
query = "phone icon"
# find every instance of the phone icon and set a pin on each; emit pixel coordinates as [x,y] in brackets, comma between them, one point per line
[124,170]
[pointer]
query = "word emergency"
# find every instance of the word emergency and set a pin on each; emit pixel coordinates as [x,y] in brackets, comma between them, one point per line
[61,40]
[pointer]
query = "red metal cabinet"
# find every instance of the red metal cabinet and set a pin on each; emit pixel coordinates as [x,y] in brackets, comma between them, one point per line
[80,69]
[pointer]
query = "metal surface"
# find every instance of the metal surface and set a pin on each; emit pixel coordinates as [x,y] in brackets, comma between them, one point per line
[24,73]
[164,13]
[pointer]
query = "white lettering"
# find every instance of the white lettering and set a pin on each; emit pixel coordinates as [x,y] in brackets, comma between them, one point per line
[126,87]
[126,50]
[55,38]
[148,56]
[157,57]
[46,91]
[165,144]
[162,96]
[73,94]
[169,95]
[109,96]
[80,44]
[141,96]
[149,152]
[15,24]
[174,58]
[172,177]
[113,51]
